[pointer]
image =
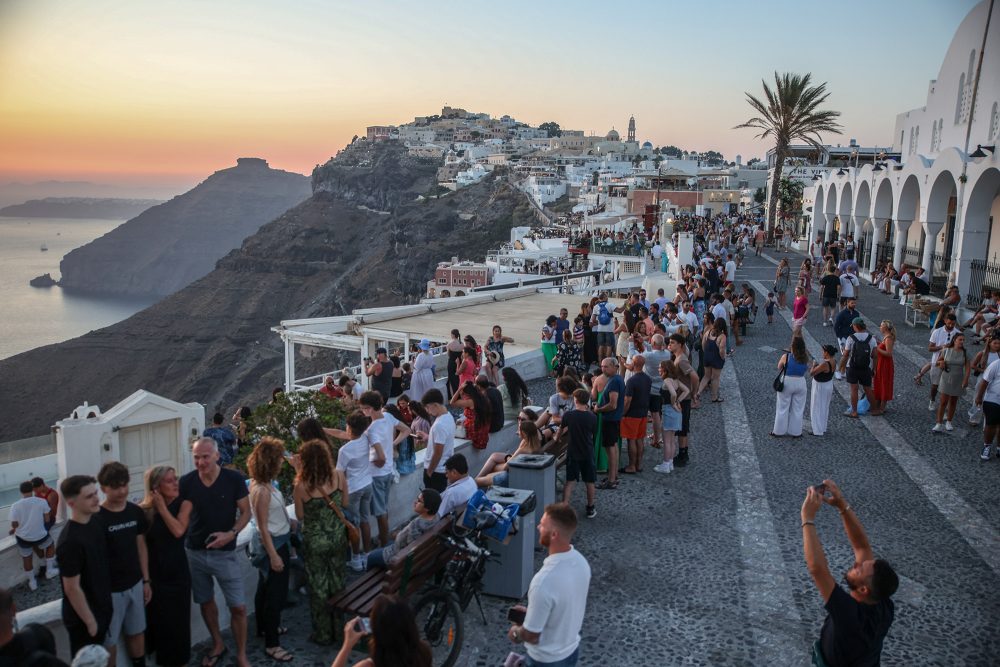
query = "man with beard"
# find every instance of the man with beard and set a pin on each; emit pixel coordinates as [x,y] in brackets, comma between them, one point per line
[857,621]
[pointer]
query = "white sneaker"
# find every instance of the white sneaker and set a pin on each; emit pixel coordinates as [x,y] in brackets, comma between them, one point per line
[838,375]
[931,406]
[663,467]
[357,564]
[948,426]
[51,572]
[32,583]
[938,428]
[985,456]
[825,323]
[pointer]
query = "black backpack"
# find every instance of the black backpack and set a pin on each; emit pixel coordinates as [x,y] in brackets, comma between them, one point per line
[861,352]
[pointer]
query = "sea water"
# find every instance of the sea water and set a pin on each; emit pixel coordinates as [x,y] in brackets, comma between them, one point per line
[31,317]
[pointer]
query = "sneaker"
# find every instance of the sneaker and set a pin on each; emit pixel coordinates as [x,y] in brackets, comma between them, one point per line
[985,456]
[938,428]
[32,583]
[662,467]
[931,406]
[52,572]
[948,426]
[357,564]
[838,375]
[591,511]
[825,323]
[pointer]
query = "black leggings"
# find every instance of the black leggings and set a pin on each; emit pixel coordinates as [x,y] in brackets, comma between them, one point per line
[272,591]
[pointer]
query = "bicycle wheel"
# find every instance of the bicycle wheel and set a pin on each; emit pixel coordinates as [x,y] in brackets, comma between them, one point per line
[439,621]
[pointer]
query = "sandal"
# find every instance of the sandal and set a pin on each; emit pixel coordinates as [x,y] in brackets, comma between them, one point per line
[278,654]
[608,485]
[918,380]
[214,659]
[656,445]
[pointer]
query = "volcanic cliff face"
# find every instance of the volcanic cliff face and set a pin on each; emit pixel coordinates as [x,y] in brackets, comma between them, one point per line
[211,341]
[173,244]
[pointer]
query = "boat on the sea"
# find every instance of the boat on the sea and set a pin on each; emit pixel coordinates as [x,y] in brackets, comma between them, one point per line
[44,248]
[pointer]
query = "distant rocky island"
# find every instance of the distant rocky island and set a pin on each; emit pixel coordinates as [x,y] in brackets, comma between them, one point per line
[79,208]
[365,238]
[171,245]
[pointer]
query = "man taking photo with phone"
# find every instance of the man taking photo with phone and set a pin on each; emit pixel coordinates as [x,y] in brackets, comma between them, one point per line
[857,621]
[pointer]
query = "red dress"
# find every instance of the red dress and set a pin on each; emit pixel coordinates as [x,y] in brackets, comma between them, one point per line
[478,435]
[885,370]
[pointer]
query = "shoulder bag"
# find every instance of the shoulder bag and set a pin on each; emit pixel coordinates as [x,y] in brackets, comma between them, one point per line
[353,534]
[779,381]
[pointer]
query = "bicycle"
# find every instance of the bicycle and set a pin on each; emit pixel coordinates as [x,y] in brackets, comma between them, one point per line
[439,611]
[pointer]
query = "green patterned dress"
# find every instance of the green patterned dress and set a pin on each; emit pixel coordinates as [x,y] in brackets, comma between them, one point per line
[325,550]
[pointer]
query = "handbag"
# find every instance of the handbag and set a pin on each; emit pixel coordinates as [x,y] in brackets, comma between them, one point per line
[779,381]
[353,534]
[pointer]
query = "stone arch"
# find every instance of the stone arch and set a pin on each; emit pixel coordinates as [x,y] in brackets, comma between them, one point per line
[819,215]
[907,211]
[445,294]
[976,234]
[846,209]
[940,220]
[882,209]
[460,293]
[831,210]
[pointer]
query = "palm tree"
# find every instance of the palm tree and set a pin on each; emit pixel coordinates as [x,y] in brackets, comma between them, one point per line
[791,113]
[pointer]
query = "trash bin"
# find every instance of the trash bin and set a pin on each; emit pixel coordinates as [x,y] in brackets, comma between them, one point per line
[511,575]
[538,473]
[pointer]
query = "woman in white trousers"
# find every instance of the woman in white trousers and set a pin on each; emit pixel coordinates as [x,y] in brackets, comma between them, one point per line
[791,400]
[822,390]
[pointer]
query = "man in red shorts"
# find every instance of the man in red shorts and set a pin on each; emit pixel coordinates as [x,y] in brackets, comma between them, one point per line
[636,413]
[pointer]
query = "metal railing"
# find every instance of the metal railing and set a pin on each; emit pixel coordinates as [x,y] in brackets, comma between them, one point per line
[624,248]
[912,256]
[983,275]
[940,268]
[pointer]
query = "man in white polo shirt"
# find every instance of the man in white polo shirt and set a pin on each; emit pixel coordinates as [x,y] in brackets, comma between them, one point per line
[557,597]
[460,486]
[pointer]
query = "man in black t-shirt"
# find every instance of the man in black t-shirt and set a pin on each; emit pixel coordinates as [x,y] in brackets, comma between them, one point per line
[638,389]
[829,288]
[581,426]
[125,527]
[857,621]
[214,496]
[82,555]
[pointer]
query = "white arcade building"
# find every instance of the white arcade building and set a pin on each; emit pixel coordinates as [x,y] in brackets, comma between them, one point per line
[937,206]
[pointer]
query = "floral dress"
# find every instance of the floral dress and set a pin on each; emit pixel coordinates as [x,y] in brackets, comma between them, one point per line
[325,543]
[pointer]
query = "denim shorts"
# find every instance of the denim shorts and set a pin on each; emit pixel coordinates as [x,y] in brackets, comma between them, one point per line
[224,567]
[501,478]
[380,494]
[605,339]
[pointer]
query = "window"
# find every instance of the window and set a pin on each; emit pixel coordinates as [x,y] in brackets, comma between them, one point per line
[961,98]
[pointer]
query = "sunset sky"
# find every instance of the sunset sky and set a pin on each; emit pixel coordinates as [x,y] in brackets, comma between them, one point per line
[164,93]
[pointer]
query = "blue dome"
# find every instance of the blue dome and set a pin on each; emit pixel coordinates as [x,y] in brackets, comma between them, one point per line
[647,144]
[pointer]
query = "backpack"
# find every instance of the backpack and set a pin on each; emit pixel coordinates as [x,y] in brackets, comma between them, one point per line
[603,315]
[861,352]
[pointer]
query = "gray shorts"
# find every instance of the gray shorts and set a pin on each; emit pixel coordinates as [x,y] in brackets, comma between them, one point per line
[380,494]
[225,567]
[935,374]
[605,339]
[129,614]
[359,509]
[26,548]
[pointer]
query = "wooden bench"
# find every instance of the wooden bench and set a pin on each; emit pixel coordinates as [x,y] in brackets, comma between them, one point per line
[405,574]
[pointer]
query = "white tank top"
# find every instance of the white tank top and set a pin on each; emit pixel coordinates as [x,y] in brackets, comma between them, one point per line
[277,517]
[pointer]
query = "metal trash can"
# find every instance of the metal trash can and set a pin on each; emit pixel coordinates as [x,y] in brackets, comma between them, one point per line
[511,576]
[538,473]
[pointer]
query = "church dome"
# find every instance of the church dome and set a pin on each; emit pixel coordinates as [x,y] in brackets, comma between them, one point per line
[613,136]
[647,144]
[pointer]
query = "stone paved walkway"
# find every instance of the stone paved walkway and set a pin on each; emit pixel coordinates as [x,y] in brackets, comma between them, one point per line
[704,566]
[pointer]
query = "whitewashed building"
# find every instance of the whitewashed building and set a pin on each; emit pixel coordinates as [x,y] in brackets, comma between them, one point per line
[936,206]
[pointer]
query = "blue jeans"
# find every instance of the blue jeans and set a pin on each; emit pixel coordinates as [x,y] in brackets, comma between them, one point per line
[569,661]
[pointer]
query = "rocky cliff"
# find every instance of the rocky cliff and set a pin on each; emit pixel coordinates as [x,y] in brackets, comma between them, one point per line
[171,245]
[363,239]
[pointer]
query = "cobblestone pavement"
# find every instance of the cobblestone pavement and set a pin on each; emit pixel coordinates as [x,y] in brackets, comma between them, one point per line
[704,566]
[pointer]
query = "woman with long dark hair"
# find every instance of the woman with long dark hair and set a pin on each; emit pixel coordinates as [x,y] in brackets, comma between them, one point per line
[394,640]
[514,392]
[477,413]
[454,348]
[713,345]
[310,428]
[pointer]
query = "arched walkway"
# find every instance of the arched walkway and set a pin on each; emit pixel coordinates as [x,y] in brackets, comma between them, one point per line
[979,246]
[939,228]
